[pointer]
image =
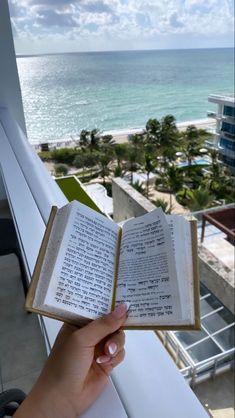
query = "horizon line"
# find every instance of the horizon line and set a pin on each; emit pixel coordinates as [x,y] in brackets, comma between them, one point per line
[20,55]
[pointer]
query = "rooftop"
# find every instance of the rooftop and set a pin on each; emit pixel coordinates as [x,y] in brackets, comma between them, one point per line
[224,99]
[216,242]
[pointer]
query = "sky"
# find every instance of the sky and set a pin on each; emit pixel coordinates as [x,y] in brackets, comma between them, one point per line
[52,26]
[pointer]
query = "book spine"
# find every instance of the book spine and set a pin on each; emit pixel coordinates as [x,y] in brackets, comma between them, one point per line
[38,265]
[116,268]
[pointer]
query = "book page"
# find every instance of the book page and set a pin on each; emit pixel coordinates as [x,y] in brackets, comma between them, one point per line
[147,274]
[83,277]
[182,243]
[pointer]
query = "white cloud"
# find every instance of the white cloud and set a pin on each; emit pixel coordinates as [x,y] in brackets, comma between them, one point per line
[122,24]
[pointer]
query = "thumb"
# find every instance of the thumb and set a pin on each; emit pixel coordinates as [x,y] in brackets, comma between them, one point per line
[96,330]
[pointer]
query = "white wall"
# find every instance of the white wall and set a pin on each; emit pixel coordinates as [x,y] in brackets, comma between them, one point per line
[10,94]
[127,202]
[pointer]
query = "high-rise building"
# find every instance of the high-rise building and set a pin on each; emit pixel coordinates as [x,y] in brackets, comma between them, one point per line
[225,128]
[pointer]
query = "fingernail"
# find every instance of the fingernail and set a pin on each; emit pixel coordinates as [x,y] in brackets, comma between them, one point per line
[121,310]
[102,359]
[112,348]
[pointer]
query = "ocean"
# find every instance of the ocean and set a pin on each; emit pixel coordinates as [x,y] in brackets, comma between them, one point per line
[65,93]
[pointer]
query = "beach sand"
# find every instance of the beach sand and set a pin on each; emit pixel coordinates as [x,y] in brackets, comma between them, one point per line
[121,136]
[209,124]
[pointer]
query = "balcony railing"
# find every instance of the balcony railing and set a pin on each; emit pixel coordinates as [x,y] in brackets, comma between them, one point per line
[28,176]
[214,115]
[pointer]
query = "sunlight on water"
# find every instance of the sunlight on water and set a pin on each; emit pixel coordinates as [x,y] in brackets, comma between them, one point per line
[65,93]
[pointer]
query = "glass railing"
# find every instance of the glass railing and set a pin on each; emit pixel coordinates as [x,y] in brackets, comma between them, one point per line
[212,114]
[200,354]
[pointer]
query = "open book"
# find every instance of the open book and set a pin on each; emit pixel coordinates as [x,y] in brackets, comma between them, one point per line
[87,264]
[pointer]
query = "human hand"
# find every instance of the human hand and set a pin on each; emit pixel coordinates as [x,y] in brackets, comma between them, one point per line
[77,369]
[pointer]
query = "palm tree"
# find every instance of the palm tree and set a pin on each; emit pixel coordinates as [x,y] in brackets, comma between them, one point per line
[173,180]
[198,199]
[107,140]
[133,159]
[89,140]
[169,138]
[137,142]
[118,171]
[139,187]
[152,132]
[214,154]
[161,203]
[104,161]
[219,182]
[84,139]
[94,140]
[192,143]
[149,168]
[121,152]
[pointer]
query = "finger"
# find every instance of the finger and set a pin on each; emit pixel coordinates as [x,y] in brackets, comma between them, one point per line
[109,363]
[114,344]
[96,330]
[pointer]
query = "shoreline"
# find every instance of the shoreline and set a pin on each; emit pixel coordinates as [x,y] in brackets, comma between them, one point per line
[121,135]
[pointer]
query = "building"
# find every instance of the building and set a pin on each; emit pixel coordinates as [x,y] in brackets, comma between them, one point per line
[225,128]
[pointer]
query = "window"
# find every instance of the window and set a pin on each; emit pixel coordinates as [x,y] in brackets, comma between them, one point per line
[229,111]
[227,144]
[228,127]
[227,160]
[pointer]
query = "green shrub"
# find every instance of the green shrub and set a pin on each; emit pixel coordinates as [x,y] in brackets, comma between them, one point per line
[161,203]
[108,187]
[181,197]
[45,155]
[139,187]
[61,169]
[64,155]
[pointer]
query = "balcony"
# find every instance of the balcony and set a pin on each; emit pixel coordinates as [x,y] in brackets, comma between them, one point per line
[209,351]
[143,384]
[222,99]
[21,170]
[225,134]
[214,115]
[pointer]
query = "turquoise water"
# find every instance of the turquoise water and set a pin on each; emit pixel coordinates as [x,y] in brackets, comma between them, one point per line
[65,93]
[195,162]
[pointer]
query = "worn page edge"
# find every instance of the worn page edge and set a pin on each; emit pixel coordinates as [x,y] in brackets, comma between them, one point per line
[37,269]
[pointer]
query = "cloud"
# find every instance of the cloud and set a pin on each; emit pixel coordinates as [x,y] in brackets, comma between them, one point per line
[52,18]
[123,23]
[143,20]
[175,22]
[54,3]
[98,6]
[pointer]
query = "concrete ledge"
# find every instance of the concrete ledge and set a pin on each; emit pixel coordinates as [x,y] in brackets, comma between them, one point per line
[217,277]
[127,202]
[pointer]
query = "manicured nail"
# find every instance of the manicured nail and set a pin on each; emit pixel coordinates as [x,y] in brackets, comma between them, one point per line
[102,359]
[128,304]
[121,310]
[112,348]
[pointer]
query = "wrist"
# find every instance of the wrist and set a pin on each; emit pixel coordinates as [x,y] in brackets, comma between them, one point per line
[45,404]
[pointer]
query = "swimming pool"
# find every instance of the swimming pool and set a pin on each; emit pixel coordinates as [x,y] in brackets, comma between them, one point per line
[199,162]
